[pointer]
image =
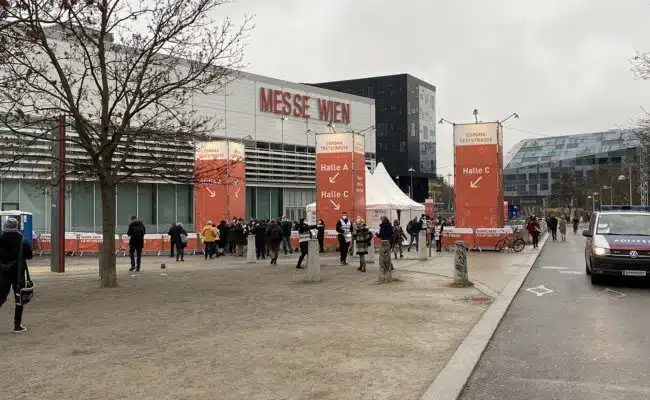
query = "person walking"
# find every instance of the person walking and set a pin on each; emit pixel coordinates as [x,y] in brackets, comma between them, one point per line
[259,230]
[274,235]
[209,236]
[562,226]
[178,236]
[413,229]
[386,232]
[320,235]
[437,235]
[304,234]
[362,240]
[576,221]
[286,226]
[534,230]
[344,230]
[398,239]
[171,243]
[136,234]
[552,225]
[14,253]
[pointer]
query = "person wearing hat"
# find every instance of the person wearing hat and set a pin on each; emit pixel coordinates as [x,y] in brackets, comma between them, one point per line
[11,268]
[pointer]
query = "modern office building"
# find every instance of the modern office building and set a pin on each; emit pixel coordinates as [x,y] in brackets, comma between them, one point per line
[559,171]
[276,120]
[405,125]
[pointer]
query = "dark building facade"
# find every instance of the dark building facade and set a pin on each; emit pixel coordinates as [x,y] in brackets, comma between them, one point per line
[405,122]
[565,171]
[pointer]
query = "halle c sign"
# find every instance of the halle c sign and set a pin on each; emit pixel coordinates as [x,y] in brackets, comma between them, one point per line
[299,105]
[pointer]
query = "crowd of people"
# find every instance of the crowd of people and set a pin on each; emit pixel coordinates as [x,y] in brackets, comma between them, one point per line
[554,224]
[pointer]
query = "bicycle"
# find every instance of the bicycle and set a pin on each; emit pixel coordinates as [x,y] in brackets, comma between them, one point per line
[513,243]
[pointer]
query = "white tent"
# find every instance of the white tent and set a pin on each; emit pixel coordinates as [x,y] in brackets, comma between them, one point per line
[408,208]
[383,198]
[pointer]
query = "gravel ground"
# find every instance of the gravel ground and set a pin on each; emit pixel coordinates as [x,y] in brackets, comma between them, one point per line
[239,333]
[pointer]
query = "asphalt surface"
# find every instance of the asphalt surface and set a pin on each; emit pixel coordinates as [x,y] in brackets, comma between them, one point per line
[577,342]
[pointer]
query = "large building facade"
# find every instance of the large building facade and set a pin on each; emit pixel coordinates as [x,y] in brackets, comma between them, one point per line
[563,171]
[406,127]
[276,120]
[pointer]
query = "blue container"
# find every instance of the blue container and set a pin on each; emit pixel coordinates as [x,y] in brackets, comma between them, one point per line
[25,223]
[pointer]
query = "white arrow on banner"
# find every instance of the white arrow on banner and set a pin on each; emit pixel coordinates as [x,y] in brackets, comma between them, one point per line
[474,184]
[237,193]
[333,178]
[336,205]
[212,193]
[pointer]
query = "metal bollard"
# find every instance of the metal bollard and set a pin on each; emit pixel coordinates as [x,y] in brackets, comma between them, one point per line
[251,256]
[313,262]
[422,245]
[384,272]
[461,278]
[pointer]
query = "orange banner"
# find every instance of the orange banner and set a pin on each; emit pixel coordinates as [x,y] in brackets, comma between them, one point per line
[221,189]
[478,171]
[340,177]
[428,207]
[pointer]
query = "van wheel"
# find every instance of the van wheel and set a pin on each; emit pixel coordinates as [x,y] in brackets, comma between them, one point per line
[596,280]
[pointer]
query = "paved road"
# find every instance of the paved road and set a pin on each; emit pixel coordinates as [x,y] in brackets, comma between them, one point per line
[577,342]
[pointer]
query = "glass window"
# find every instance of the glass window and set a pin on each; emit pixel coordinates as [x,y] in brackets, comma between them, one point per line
[263,203]
[147,203]
[32,200]
[276,202]
[250,202]
[10,191]
[98,207]
[543,186]
[543,175]
[83,204]
[532,176]
[166,205]
[185,204]
[126,206]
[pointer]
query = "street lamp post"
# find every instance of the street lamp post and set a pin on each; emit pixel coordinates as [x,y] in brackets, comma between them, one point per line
[593,201]
[611,194]
[411,170]
[629,179]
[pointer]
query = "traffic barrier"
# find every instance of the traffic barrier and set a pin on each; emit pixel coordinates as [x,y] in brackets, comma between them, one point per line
[159,244]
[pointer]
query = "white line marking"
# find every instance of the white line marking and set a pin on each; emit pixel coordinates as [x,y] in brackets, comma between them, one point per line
[540,290]
[614,293]
[554,268]
[572,272]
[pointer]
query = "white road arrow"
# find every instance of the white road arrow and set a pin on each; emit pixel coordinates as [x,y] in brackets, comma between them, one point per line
[212,193]
[333,178]
[473,184]
[237,193]
[336,205]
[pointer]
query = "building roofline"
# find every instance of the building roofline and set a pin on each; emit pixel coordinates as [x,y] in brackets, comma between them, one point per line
[405,75]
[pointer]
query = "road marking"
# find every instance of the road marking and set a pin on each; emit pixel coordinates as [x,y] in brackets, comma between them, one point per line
[540,290]
[572,272]
[614,293]
[554,267]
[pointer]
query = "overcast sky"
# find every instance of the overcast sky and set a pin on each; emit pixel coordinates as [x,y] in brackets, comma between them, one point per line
[563,65]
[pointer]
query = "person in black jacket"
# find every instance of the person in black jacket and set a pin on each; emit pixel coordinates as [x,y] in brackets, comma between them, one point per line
[286,226]
[304,234]
[12,270]
[177,233]
[344,230]
[171,244]
[136,234]
[274,235]
[320,235]
[259,230]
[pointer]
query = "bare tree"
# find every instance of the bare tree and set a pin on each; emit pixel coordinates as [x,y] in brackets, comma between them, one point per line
[568,189]
[126,75]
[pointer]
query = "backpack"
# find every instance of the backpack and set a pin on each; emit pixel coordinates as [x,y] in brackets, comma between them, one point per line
[274,234]
[409,227]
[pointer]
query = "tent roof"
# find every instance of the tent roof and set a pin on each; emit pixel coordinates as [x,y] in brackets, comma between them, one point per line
[399,198]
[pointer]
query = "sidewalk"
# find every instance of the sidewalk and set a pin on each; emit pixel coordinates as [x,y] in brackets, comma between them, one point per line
[225,329]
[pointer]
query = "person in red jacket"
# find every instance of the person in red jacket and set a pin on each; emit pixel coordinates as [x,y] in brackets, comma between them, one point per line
[534,230]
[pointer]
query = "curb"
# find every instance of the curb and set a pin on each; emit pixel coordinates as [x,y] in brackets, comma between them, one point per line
[451,380]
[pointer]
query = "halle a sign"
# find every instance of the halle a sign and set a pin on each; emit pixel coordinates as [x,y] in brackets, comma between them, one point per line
[299,105]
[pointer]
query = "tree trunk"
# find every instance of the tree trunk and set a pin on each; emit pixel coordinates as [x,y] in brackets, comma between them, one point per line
[107,264]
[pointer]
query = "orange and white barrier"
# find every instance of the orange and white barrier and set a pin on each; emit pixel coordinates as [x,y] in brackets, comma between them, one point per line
[451,234]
